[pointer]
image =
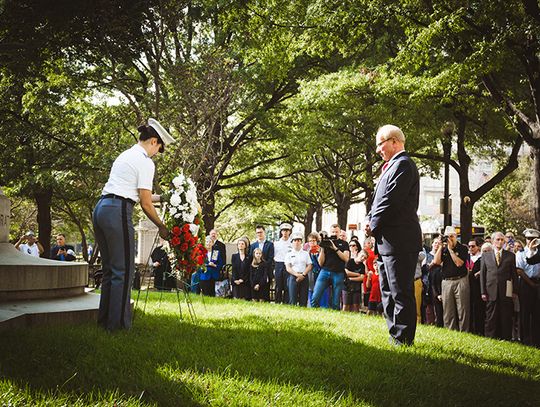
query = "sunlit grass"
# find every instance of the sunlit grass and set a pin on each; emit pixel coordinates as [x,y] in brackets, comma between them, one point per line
[240,353]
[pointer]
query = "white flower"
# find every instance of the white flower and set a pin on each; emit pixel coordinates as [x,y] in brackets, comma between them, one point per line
[175,200]
[173,210]
[178,180]
[177,215]
[193,228]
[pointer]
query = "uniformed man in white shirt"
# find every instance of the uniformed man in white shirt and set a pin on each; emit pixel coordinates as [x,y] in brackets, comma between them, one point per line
[298,264]
[130,181]
[281,248]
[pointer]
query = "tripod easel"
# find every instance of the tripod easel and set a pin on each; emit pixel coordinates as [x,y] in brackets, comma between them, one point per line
[185,287]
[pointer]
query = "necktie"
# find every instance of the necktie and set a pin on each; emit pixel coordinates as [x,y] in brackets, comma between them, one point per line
[384,167]
[498,257]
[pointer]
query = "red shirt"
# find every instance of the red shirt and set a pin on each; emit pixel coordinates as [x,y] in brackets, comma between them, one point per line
[369,263]
[375,294]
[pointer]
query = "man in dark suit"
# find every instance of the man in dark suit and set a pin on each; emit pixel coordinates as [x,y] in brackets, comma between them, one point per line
[398,237]
[498,285]
[62,251]
[217,244]
[267,248]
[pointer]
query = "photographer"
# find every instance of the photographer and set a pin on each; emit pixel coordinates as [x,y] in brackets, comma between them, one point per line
[61,251]
[455,296]
[334,254]
[29,244]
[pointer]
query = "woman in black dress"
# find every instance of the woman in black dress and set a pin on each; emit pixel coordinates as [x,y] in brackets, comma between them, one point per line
[240,270]
[258,275]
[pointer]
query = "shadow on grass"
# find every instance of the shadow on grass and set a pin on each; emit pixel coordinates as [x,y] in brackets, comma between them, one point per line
[312,359]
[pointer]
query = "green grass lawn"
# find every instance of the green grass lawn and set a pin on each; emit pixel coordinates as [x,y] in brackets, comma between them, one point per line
[240,353]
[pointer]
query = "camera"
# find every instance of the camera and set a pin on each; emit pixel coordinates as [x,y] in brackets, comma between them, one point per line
[326,241]
[444,239]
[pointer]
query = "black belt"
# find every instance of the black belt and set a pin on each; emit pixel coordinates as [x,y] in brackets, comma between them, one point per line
[454,278]
[131,201]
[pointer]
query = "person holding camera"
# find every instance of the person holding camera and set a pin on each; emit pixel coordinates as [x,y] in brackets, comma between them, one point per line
[334,254]
[29,244]
[455,296]
[62,251]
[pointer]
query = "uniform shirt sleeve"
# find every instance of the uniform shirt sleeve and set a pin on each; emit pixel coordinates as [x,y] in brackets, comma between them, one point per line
[145,175]
[521,262]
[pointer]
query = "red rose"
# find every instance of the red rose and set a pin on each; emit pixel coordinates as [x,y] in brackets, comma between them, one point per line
[200,260]
[176,231]
[183,262]
[187,235]
[196,221]
[185,228]
[184,247]
[175,241]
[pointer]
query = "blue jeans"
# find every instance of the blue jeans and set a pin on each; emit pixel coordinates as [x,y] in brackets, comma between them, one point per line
[298,292]
[325,278]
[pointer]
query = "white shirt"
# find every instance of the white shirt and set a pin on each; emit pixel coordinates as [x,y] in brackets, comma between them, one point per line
[132,170]
[31,250]
[532,270]
[298,260]
[281,248]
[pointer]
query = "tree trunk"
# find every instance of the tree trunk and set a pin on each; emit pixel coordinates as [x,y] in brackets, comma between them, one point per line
[208,205]
[466,219]
[318,219]
[342,212]
[43,200]
[308,225]
[536,157]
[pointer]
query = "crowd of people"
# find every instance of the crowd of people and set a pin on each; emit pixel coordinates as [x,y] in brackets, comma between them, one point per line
[488,287]
[30,245]
[324,271]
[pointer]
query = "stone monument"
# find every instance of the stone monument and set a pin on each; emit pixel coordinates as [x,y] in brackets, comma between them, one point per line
[34,290]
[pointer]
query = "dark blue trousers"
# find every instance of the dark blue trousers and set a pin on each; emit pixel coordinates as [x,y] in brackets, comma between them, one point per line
[396,275]
[114,234]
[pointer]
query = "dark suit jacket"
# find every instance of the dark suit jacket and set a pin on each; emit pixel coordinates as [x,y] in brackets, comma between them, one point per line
[393,219]
[67,257]
[268,255]
[218,245]
[240,269]
[493,278]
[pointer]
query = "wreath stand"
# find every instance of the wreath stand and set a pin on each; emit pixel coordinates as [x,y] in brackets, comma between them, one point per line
[185,288]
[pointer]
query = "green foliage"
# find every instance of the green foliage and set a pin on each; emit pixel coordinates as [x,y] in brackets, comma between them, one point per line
[508,205]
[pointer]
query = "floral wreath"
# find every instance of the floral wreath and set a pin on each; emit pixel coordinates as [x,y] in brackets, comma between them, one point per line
[183,218]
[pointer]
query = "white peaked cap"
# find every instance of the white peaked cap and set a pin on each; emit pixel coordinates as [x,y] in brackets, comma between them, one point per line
[450,230]
[163,134]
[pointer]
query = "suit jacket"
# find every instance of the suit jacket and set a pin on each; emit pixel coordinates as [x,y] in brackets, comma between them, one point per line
[211,271]
[240,269]
[268,255]
[66,257]
[393,218]
[219,245]
[493,278]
